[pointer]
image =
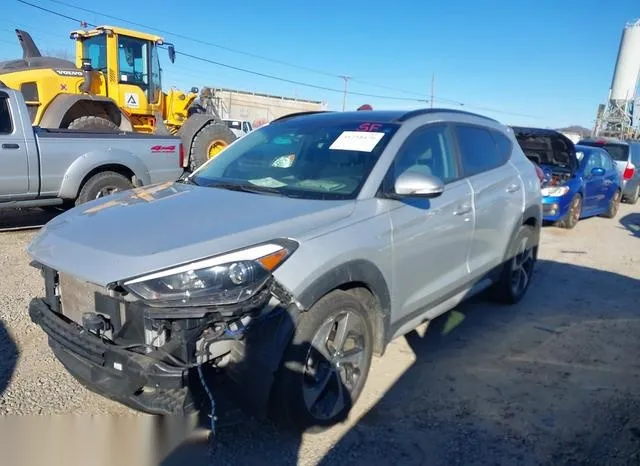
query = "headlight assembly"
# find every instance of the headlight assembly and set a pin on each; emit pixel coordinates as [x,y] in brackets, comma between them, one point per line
[222,280]
[555,191]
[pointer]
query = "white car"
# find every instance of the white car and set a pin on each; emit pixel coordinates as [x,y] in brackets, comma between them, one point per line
[239,127]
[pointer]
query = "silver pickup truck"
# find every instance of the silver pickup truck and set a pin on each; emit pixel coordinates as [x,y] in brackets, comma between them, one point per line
[59,168]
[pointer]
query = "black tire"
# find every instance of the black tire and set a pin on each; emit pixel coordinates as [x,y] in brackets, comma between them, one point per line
[633,199]
[206,136]
[614,205]
[572,217]
[522,255]
[102,184]
[293,380]
[93,123]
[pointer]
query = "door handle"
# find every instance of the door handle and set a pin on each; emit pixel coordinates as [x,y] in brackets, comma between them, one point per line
[512,188]
[462,209]
[10,146]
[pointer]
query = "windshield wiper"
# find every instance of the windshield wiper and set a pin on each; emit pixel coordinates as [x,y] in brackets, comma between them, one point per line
[246,188]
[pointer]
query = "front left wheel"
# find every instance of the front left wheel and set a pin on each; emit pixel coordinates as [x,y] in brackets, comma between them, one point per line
[326,364]
[614,205]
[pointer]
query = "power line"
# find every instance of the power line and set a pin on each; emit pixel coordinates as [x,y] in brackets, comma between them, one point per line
[231,49]
[245,70]
[257,73]
[298,83]
[56,13]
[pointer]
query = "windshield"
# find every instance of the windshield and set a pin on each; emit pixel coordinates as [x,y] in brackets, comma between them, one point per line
[618,152]
[309,158]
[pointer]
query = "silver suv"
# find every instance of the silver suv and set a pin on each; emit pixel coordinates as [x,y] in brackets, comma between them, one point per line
[277,270]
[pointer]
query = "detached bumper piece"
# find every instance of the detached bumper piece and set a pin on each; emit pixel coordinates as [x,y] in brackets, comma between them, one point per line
[131,378]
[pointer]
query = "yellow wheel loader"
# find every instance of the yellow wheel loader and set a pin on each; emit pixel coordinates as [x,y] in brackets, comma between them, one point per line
[115,85]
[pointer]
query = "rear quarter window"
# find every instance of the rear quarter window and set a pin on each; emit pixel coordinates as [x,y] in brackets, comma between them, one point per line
[479,150]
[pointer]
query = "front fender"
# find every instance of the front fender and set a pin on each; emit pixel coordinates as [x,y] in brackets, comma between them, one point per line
[91,161]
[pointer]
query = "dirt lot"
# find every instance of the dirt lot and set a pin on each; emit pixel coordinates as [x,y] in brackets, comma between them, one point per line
[554,380]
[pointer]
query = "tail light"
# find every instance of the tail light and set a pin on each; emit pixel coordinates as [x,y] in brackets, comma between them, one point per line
[629,171]
[181,156]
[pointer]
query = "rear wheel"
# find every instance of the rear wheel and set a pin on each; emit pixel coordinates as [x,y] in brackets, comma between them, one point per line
[103,184]
[614,204]
[209,142]
[93,123]
[326,364]
[572,217]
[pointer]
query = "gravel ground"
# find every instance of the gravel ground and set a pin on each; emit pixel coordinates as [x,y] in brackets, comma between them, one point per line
[554,380]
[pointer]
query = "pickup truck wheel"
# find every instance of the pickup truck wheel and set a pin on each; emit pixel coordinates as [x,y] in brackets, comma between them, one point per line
[102,184]
[326,364]
[517,272]
[93,123]
[208,143]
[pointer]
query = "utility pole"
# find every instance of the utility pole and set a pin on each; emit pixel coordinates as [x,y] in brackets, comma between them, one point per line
[433,83]
[344,96]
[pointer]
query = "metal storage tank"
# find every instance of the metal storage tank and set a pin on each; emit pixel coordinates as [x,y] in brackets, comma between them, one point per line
[625,76]
[617,120]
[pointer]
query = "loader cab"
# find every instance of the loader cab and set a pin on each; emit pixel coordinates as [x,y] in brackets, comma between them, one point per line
[129,67]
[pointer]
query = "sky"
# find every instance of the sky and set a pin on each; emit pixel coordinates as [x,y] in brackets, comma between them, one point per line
[543,63]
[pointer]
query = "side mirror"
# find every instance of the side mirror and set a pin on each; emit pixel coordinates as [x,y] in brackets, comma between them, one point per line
[195,90]
[172,53]
[411,184]
[598,171]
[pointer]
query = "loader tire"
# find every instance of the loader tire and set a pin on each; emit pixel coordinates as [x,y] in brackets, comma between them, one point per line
[213,136]
[93,123]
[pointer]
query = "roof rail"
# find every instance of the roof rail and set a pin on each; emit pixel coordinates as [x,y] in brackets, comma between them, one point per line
[426,111]
[291,115]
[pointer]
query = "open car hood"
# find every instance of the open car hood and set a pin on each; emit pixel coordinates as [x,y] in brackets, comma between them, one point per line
[547,147]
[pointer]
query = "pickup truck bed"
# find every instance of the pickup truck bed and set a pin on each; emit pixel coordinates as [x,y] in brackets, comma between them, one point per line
[44,167]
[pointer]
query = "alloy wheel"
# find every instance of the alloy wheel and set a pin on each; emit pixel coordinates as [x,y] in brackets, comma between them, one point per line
[334,365]
[522,269]
[576,209]
[615,203]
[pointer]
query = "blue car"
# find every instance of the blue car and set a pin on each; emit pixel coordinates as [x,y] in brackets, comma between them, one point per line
[578,182]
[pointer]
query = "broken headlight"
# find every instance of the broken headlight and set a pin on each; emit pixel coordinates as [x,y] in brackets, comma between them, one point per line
[222,280]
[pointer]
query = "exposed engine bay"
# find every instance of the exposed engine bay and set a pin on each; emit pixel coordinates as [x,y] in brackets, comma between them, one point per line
[555,177]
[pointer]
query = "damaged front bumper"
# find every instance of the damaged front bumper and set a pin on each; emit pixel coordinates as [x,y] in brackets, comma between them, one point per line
[164,380]
[136,380]
[555,208]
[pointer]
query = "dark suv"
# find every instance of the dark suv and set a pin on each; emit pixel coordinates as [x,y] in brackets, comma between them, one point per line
[626,154]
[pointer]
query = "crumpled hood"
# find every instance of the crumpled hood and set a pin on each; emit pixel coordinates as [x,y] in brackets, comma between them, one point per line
[146,229]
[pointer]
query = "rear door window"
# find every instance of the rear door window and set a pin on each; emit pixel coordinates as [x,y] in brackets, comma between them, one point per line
[479,151]
[6,126]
